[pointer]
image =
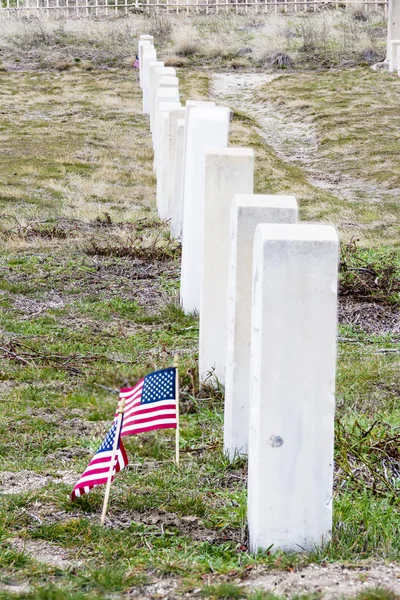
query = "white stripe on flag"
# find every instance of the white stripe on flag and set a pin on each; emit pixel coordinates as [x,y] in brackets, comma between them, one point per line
[131,392]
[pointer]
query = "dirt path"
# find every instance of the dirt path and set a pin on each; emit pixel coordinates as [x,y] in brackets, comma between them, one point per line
[332,582]
[293,141]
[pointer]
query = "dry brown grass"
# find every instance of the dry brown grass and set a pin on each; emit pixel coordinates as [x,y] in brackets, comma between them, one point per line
[185,39]
[325,38]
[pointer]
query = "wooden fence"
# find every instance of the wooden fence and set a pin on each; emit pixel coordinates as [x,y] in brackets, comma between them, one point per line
[108,8]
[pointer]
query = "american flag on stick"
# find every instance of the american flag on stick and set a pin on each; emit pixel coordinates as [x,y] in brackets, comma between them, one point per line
[98,470]
[152,404]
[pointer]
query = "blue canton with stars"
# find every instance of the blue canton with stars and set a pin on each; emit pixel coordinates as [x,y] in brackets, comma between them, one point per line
[159,385]
[108,443]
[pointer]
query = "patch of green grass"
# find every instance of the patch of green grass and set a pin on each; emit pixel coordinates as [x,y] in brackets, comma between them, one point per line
[225,591]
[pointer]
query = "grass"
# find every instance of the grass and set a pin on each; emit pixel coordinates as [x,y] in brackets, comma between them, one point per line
[89,302]
[343,108]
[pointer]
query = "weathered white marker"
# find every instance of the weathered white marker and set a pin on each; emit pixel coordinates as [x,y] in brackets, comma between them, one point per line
[158,73]
[292,386]
[247,212]
[206,127]
[227,171]
[144,40]
[177,181]
[190,104]
[163,83]
[393,64]
[164,96]
[149,55]
[174,117]
[163,160]
[153,65]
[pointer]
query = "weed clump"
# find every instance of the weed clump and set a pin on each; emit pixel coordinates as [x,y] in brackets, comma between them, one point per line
[132,246]
[370,275]
[185,40]
[279,60]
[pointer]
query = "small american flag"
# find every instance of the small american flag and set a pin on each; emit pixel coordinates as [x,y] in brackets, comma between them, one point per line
[136,63]
[98,469]
[151,404]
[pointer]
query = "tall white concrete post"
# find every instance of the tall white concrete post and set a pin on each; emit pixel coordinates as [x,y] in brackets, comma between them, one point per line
[149,55]
[158,73]
[174,117]
[163,160]
[393,26]
[190,104]
[206,127]
[227,171]
[292,386]
[177,181]
[247,212]
[153,65]
[164,83]
[145,40]
[393,63]
[164,96]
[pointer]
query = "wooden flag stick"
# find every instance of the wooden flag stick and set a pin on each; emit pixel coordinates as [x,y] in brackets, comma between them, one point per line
[120,411]
[176,364]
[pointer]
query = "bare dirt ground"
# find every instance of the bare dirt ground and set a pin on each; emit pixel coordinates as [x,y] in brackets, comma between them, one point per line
[333,581]
[293,141]
[45,552]
[28,481]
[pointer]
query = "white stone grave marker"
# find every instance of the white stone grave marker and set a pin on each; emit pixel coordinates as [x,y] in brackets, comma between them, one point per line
[164,96]
[292,390]
[393,64]
[247,212]
[149,55]
[205,127]
[143,41]
[163,162]
[190,104]
[228,171]
[158,73]
[177,181]
[174,117]
[153,65]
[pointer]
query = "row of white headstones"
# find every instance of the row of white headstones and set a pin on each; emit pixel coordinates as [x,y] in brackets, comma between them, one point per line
[265,288]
